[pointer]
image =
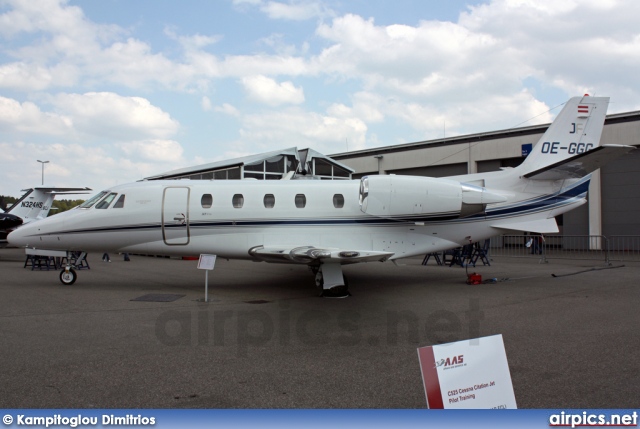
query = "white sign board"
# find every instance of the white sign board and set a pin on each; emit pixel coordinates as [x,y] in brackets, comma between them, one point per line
[206,262]
[467,374]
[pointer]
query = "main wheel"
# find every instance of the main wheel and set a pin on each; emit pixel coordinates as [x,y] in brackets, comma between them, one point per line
[68,277]
[341,291]
[319,279]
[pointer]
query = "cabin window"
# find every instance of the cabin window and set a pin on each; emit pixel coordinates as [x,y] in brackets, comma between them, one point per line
[301,201]
[206,201]
[120,203]
[238,201]
[269,201]
[338,201]
[106,201]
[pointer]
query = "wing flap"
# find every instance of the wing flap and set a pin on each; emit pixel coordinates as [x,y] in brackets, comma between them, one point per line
[580,165]
[309,254]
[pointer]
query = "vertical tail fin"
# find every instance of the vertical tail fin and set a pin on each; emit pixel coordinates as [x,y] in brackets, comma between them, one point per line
[576,129]
[36,202]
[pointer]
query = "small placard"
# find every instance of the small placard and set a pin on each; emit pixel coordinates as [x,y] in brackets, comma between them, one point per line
[206,262]
[470,374]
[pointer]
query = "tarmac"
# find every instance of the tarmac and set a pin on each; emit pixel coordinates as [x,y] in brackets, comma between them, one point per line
[267,340]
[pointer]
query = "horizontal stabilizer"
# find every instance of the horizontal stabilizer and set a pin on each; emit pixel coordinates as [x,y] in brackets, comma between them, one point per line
[580,165]
[55,190]
[308,254]
[542,226]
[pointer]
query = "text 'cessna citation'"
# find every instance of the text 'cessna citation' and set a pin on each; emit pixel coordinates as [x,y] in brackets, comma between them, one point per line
[326,224]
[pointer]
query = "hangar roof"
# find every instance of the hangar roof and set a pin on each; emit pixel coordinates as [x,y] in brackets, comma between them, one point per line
[268,165]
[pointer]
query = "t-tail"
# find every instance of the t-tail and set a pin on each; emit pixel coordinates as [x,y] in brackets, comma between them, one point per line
[555,177]
[570,148]
[36,202]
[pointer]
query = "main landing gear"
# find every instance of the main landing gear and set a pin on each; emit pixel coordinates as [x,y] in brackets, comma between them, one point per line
[330,279]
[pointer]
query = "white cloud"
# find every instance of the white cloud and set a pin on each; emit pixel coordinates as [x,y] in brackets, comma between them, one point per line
[154,150]
[295,10]
[77,164]
[103,115]
[28,118]
[107,114]
[292,10]
[267,91]
[296,127]
[227,109]
[205,103]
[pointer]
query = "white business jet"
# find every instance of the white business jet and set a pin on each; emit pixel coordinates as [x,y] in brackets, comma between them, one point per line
[326,224]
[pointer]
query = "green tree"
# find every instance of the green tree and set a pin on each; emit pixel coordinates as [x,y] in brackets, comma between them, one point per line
[6,201]
[60,206]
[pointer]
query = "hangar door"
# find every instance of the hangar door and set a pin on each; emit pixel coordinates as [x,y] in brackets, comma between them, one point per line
[175,215]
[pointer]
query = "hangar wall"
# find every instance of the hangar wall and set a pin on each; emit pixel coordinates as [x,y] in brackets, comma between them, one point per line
[614,196]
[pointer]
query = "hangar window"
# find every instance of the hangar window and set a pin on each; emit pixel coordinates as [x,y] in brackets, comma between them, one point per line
[206,201]
[269,201]
[238,201]
[120,203]
[338,201]
[106,201]
[301,201]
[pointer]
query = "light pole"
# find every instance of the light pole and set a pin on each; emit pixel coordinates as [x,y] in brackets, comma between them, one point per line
[43,163]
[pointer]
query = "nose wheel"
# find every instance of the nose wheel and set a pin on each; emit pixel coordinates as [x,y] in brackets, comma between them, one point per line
[68,276]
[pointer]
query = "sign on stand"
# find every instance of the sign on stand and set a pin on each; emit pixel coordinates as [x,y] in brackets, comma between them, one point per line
[206,262]
[467,374]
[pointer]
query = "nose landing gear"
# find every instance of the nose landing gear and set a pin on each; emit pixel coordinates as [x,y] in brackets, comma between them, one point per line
[68,276]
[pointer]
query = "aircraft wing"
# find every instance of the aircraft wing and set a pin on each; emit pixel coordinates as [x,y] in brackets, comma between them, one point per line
[580,165]
[309,254]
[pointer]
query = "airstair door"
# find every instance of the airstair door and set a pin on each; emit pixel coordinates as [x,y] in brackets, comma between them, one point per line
[175,215]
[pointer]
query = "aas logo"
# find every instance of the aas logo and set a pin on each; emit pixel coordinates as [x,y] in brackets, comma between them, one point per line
[456,360]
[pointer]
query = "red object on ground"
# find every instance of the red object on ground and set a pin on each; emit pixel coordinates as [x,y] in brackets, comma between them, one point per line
[474,279]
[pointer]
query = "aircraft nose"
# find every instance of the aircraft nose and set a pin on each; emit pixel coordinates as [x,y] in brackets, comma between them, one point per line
[20,237]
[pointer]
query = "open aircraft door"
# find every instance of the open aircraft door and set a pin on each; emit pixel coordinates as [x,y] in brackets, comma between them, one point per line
[175,215]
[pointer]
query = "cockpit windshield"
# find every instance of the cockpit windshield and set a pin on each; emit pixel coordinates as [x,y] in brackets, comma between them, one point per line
[91,201]
[106,201]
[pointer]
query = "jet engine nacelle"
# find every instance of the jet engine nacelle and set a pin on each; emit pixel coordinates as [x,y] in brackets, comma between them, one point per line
[433,198]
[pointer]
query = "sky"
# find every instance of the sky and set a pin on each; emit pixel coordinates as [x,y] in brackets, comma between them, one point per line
[113,91]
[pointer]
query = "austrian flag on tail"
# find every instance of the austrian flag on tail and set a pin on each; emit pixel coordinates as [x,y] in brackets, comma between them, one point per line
[583,108]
